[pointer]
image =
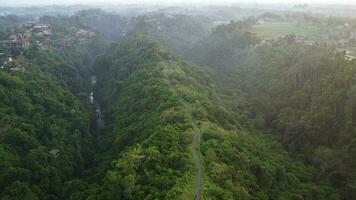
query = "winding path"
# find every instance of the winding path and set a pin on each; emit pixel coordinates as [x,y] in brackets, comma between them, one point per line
[196,138]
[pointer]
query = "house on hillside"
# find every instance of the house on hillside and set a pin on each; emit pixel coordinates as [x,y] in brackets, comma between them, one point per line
[84,33]
[3,58]
[42,27]
[55,153]
[42,30]
[16,42]
[343,42]
[261,21]
[308,43]
[219,23]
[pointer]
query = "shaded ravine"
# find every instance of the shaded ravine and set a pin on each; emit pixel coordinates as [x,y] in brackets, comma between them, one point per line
[196,138]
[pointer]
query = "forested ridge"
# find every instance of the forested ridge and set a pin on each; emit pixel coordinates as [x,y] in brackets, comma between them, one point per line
[151,132]
[160,114]
[47,135]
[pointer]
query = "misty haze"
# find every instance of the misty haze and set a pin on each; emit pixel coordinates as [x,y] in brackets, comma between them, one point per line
[178,100]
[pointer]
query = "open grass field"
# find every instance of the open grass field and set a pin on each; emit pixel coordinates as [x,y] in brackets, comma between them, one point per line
[276,29]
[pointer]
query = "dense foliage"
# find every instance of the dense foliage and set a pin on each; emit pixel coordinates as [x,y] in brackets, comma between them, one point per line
[309,103]
[302,95]
[46,132]
[43,130]
[149,131]
[82,120]
[151,101]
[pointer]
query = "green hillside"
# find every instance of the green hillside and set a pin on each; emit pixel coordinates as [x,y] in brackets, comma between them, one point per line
[45,130]
[303,96]
[153,101]
[97,106]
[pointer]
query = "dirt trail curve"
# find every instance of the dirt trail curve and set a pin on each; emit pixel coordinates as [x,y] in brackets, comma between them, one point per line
[196,138]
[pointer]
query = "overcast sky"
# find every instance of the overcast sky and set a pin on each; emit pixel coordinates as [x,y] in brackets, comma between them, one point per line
[50,2]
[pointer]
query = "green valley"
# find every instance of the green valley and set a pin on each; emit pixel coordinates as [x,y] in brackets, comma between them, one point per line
[176,103]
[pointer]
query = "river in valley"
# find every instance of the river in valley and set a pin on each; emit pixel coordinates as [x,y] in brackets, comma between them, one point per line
[98,114]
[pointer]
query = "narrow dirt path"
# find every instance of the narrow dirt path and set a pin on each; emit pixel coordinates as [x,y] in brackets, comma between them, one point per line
[196,138]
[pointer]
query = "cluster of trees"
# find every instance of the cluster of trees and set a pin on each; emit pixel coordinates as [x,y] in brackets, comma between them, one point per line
[111,26]
[305,95]
[4,33]
[43,128]
[218,48]
[176,32]
[147,136]
[46,135]
[10,21]
[301,95]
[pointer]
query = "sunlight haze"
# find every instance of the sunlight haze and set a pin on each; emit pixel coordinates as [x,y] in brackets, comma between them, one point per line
[48,2]
[178,99]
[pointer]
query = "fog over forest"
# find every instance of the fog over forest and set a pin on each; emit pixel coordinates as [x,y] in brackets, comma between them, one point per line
[177,100]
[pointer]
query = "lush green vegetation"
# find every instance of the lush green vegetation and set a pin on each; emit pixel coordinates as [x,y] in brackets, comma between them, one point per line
[148,96]
[308,104]
[277,121]
[45,129]
[302,95]
[148,135]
